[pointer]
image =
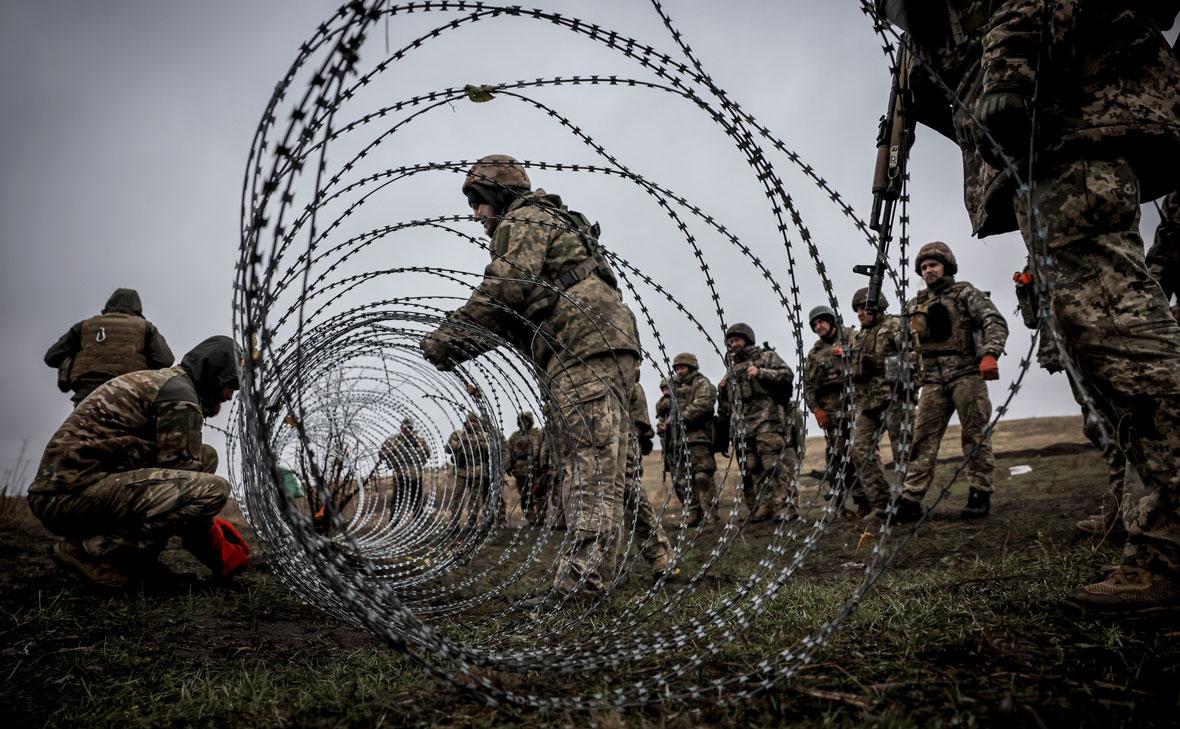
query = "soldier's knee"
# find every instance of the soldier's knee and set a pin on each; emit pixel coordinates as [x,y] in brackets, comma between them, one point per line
[209,459]
[207,494]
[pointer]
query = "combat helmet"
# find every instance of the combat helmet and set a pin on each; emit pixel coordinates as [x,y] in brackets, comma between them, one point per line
[821,312]
[861,297]
[741,329]
[940,252]
[687,359]
[524,420]
[494,172]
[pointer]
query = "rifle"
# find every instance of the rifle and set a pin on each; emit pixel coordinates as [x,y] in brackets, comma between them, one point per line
[895,135]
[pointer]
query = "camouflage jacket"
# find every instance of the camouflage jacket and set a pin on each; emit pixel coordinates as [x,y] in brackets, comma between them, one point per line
[869,349]
[536,243]
[405,455]
[474,452]
[823,375]
[759,395]
[523,457]
[964,325]
[1108,82]
[691,408]
[145,419]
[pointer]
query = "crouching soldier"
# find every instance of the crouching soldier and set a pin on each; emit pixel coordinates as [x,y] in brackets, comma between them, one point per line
[958,335]
[756,381]
[127,470]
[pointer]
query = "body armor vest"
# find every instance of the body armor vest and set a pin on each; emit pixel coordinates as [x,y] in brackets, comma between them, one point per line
[112,345]
[868,359]
[949,330]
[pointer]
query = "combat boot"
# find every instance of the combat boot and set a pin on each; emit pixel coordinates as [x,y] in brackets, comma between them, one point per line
[908,511]
[979,505]
[97,572]
[695,516]
[1102,524]
[762,512]
[1129,588]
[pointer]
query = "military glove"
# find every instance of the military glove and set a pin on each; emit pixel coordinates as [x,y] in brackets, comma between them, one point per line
[821,417]
[1006,116]
[438,351]
[989,368]
[838,351]
[646,445]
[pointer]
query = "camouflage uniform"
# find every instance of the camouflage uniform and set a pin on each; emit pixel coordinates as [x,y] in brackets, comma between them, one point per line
[649,533]
[690,425]
[958,326]
[523,463]
[474,453]
[761,425]
[877,411]
[823,390]
[117,341]
[546,267]
[127,469]
[406,454]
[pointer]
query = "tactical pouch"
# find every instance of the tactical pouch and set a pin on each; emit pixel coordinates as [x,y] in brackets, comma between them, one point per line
[894,367]
[64,382]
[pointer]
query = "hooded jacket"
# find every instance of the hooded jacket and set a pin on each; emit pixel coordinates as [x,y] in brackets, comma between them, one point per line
[117,341]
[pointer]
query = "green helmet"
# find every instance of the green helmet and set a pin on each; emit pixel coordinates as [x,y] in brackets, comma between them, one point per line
[497,170]
[861,297]
[741,330]
[687,359]
[821,312]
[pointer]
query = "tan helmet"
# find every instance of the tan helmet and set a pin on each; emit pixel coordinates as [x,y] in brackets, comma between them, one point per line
[861,297]
[497,170]
[940,252]
[741,330]
[687,359]
[524,420]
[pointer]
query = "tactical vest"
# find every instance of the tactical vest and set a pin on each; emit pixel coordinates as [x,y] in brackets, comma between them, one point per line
[112,345]
[545,295]
[749,389]
[701,429]
[949,328]
[868,359]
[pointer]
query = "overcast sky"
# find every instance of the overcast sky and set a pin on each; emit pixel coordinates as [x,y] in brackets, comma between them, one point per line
[126,126]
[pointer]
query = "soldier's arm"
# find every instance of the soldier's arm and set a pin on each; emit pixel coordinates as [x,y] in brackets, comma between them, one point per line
[724,408]
[775,370]
[700,401]
[178,425]
[990,321]
[156,349]
[67,346]
[810,372]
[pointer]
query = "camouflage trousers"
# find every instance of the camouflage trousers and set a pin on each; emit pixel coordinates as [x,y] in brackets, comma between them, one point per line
[1116,324]
[871,487]
[837,444]
[768,475]
[131,515]
[1116,462]
[649,533]
[937,402]
[592,401]
[530,487]
[472,490]
[693,481]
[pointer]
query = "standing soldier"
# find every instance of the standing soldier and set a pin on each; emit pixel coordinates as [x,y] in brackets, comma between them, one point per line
[875,352]
[690,420]
[548,268]
[117,341]
[663,410]
[756,381]
[1104,89]
[824,395]
[523,463]
[649,533]
[958,336]
[127,470]
[406,454]
[471,449]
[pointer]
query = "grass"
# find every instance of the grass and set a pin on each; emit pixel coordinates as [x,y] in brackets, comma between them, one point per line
[970,628]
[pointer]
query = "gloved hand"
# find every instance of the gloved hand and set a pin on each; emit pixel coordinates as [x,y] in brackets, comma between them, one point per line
[821,417]
[838,351]
[646,445]
[1006,116]
[989,368]
[439,350]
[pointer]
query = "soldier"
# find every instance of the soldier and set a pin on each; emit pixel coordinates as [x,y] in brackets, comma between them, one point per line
[471,449]
[548,268]
[756,381]
[406,454]
[523,463]
[649,533]
[958,336]
[663,410]
[875,353]
[1108,138]
[824,395]
[117,341]
[690,423]
[127,470]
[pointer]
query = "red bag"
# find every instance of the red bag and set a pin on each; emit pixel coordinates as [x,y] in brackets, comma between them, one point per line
[229,547]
